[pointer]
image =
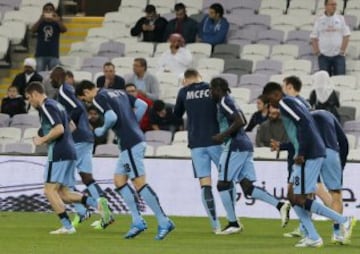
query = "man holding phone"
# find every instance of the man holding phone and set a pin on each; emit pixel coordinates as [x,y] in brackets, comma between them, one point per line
[48,29]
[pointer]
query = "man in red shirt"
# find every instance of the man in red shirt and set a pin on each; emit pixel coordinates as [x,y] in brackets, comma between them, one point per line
[145,122]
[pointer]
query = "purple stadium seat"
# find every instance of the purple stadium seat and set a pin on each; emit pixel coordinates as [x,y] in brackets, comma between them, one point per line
[111,49]
[270,37]
[268,67]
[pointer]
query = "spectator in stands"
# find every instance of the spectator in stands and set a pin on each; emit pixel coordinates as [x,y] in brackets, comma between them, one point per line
[260,115]
[182,24]
[132,90]
[48,29]
[177,58]
[324,95]
[13,103]
[96,121]
[330,38]
[162,118]
[110,79]
[151,27]
[23,79]
[271,129]
[146,84]
[69,78]
[214,27]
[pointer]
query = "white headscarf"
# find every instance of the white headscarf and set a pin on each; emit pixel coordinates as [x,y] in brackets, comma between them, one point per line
[322,85]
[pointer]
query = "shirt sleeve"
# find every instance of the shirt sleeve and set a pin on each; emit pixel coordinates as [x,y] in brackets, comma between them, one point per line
[52,114]
[101,103]
[229,109]
[343,143]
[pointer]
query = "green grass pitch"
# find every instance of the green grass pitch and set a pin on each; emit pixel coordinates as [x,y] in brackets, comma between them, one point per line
[28,233]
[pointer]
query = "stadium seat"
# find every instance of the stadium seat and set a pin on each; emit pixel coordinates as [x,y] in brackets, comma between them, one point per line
[238,66]
[71,62]
[346,114]
[241,95]
[258,23]
[93,64]
[231,78]
[349,95]
[344,81]
[29,134]
[149,151]
[19,148]
[199,50]
[24,121]
[248,109]
[4,120]
[268,67]
[160,48]
[354,104]
[180,137]
[284,52]
[84,49]
[127,20]
[192,7]
[253,80]
[178,150]
[152,64]
[226,51]
[168,79]
[107,150]
[82,75]
[284,23]
[352,21]
[297,67]
[31,3]
[169,93]
[296,36]
[30,14]
[271,7]
[136,4]
[352,140]
[240,37]
[158,137]
[101,34]
[302,7]
[13,4]
[216,64]
[111,49]
[163,6]
[264,153]
[8,28]
[11,16]
[123,63]
[255,52]
[10,135]
[139,49]
[4,48]
[270,37]
[354,154]
[232,6]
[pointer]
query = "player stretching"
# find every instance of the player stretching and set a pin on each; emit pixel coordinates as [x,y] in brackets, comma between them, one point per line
[236,161]
[59,171]
[309,156]
[194,99]
[118,110]
[84,141]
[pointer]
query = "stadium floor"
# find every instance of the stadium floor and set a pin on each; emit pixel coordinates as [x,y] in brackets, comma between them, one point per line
[28,233]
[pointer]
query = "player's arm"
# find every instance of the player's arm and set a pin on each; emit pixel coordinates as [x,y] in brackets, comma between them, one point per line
[71,104]
[303,129]
[110,117]
[343,143]
[179,108]
[232,113]
[139,107]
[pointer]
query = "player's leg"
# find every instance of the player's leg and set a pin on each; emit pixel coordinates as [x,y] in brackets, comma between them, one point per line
[201,158]
[231,163]
[247,177]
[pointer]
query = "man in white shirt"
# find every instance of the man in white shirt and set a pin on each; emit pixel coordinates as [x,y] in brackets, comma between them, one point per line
[330,38]
[177,58]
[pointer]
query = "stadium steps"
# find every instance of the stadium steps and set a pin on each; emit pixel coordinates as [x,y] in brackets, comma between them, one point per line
[77,31]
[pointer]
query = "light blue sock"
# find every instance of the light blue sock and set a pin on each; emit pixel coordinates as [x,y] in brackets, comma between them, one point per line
[152,200]
[80,209]
[227,198]
[89,201]
[128,194]
[264,196]
[65,221]
[95,190]
[209,205]
[305,220]
[318,208]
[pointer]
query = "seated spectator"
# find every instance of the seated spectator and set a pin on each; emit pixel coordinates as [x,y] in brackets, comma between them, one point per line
[13,103]
[324,96]
[110,79]
[214,27]
[23,79]
[146,84]
[163,118]
[132,90]
[151,27]
[69,78]
[96,121]
[177,58]
[182,24]
[272,128]
[259,116]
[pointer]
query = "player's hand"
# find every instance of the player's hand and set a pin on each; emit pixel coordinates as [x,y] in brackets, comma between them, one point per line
[275,145]
[299,160]
[99,132]
[38,141]
[218,138]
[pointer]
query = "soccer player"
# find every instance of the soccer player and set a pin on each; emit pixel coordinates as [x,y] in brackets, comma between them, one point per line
[236,161]
[309,156]
[194,99]
[292,87]
[83,137]
[337,149]
[59,171]
[118,110]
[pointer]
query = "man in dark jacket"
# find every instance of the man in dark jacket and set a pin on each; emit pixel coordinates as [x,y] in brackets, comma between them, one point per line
[151,27]
[23,79]
[182,24]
